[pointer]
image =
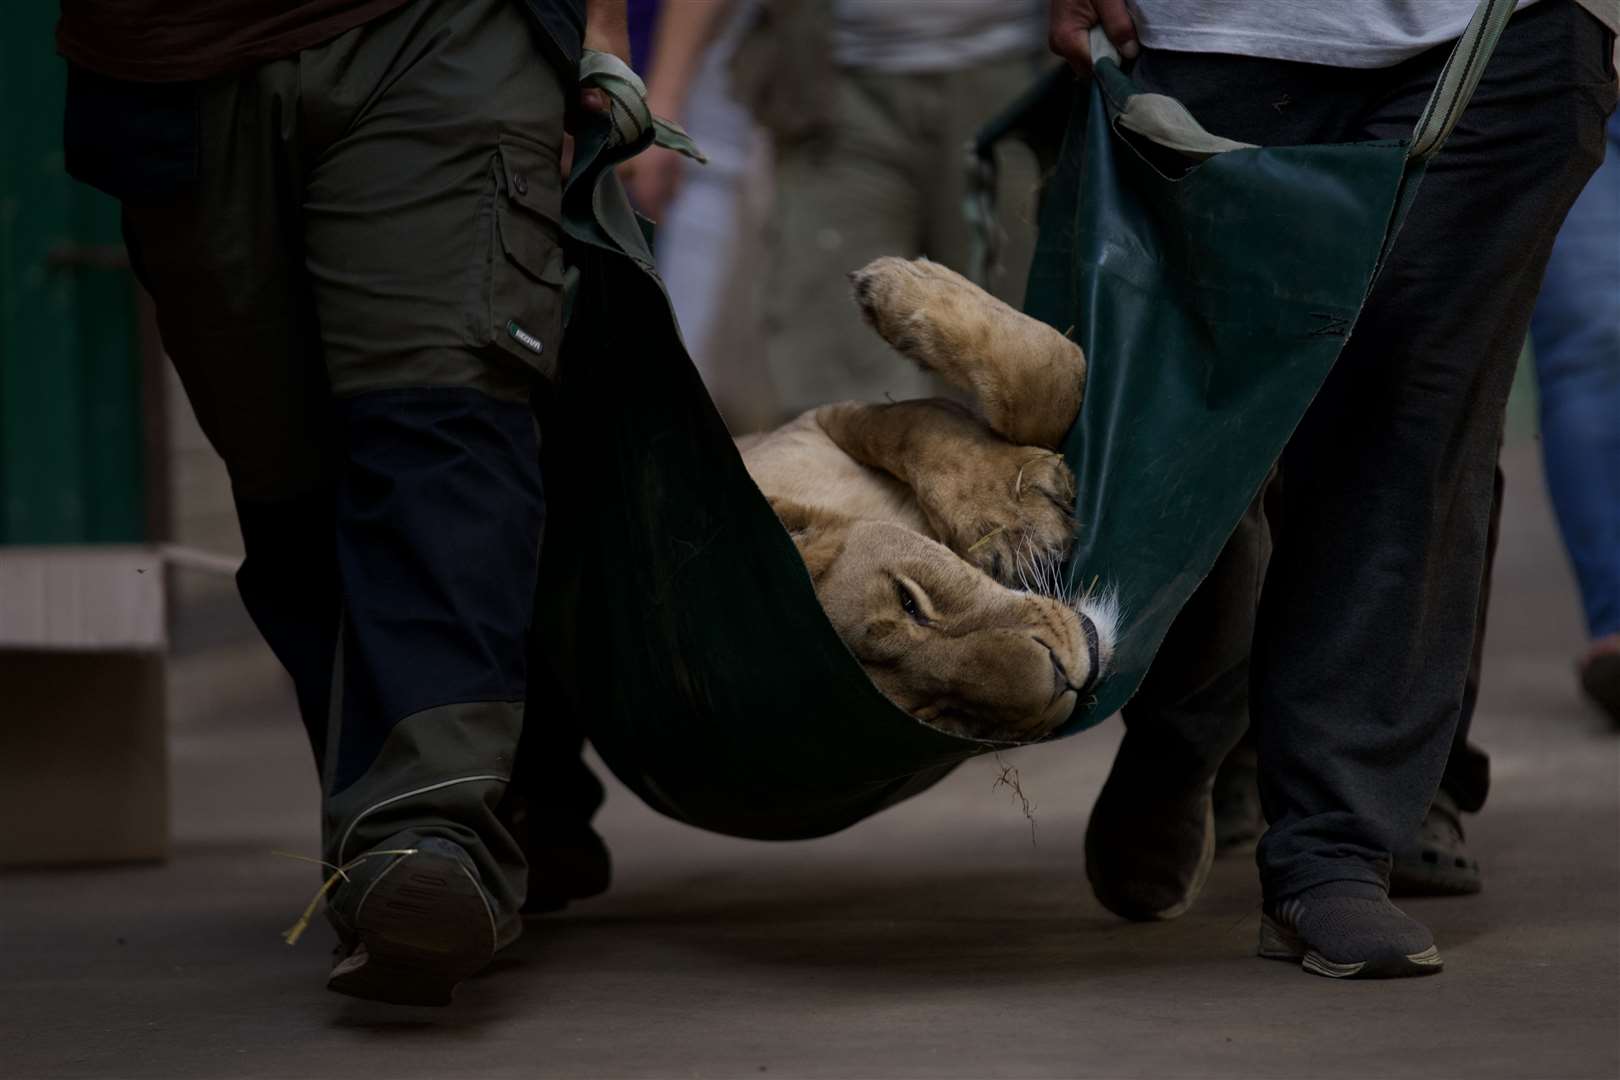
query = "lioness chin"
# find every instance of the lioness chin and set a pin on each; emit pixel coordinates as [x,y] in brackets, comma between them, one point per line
[933,532]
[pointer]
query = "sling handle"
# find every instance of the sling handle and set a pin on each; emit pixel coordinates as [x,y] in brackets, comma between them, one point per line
[1458,80]
[627,98]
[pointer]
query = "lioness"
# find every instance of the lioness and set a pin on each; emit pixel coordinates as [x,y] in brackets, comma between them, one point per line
[932,532]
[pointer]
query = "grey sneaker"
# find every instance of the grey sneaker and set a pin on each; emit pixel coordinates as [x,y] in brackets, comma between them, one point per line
[412,925]
[1348,930]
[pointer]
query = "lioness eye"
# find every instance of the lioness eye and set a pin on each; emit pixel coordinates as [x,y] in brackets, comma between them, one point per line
[908,601]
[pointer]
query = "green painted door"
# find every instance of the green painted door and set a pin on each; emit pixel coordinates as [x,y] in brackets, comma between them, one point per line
[71,467]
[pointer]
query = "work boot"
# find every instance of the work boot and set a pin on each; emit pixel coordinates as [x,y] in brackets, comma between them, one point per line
[1151,838]
[413,921]
[1435,862]
[1348,930]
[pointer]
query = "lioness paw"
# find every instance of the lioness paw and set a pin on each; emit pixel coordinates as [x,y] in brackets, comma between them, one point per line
[914,304]
[1012,517]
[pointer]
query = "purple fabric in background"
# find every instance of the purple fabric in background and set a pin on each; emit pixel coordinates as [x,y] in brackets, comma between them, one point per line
[643,20]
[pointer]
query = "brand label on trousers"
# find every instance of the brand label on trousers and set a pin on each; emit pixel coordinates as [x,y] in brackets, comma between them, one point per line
[523,337]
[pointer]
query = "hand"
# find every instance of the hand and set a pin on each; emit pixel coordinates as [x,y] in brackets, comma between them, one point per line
[1071,22]
[652,177]
[607,29]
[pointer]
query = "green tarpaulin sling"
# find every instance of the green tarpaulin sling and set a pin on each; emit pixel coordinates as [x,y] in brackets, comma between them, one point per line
[1211,297]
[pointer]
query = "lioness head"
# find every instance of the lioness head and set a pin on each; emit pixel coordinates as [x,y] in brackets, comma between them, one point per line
[945,641]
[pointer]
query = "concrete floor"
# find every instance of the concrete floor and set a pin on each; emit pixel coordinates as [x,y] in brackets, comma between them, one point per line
[939,939]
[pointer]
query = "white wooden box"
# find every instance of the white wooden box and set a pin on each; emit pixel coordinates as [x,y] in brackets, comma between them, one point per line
[83,761]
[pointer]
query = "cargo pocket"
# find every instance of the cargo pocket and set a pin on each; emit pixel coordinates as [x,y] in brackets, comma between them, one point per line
[525,283]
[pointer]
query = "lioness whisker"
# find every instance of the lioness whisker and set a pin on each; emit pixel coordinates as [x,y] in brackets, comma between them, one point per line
[1033,582]
[1025,568]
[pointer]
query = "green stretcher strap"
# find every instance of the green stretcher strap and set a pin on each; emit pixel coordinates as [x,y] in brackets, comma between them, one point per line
[627,97]
[1037,118]
[1459,77]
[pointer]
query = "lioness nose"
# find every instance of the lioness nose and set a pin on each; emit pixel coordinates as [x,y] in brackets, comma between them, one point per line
[1060,674]
[1093,651]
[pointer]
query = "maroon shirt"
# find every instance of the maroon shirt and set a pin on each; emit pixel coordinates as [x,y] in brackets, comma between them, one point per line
[182,40]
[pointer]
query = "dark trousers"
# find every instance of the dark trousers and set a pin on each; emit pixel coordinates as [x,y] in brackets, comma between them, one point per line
[1219,720]
[1467,778]
[359,291]
[1365,625]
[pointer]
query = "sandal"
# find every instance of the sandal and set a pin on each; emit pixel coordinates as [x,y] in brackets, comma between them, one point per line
[1436,862]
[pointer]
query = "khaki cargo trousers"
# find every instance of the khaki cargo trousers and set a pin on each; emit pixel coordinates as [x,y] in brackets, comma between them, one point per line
[885,173]
[359,292]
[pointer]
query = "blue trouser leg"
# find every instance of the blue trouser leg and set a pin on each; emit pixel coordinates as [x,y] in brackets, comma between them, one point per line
[439,515]
[1575,332]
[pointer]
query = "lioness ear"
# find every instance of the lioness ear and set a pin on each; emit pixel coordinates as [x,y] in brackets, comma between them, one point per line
[818,534]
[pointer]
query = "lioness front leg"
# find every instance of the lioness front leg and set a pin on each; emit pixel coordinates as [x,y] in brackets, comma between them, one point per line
[1027,378]
[1004,508]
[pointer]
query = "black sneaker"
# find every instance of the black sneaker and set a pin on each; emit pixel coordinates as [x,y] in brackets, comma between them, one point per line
[562,869]
[413,923]
[1435,862]
[1348,930]
[1600,678]
[1150,840]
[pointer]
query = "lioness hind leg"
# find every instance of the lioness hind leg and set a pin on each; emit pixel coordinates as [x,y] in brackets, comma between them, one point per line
[1004,508]
[1027,378]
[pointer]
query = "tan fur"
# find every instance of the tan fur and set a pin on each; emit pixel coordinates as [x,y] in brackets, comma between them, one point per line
[929,506]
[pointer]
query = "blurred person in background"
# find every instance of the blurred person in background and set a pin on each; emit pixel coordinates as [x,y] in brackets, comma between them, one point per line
[869,105]
[709,217]
[641,17]
[1575,333]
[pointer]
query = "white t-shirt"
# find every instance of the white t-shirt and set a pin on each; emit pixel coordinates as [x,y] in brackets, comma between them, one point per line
[1342,33]
[910,36]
